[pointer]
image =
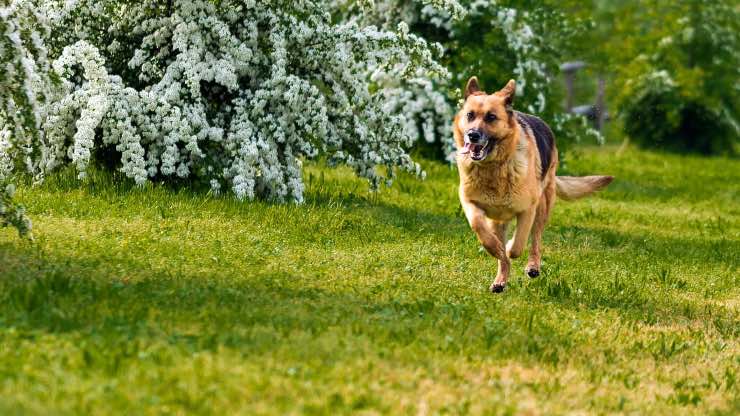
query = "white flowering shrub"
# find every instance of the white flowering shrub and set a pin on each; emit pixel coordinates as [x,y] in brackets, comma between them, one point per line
[24,88]
[233,93]
[496,40]
[421,100]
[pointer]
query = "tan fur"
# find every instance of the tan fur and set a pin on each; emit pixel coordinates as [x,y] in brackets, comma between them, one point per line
[508,183]
[574,187]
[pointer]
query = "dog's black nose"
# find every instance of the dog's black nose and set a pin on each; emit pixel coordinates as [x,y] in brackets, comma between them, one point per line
[474,136]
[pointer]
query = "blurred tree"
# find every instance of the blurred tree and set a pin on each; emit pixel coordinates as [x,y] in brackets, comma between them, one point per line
[674,70]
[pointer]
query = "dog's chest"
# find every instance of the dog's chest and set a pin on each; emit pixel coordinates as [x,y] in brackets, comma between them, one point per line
[497,191]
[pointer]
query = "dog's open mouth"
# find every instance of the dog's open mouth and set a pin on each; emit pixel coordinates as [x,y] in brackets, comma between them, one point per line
[477,151]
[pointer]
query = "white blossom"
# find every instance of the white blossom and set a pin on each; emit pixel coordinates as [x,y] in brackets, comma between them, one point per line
[238,93]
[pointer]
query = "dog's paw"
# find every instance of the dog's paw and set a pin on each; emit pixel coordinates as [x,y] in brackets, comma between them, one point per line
[497,287]
[532,271]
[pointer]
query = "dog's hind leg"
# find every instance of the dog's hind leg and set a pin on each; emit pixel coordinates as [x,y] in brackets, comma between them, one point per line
[547,200]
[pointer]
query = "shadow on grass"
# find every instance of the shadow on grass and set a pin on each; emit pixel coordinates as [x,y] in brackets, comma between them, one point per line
[715,248]
[644,285]
[118,196]
[259,315]
[255,316]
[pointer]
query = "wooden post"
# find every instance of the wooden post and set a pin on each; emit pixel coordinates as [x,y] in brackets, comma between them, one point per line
[569,80]
[601,104]
[569,70]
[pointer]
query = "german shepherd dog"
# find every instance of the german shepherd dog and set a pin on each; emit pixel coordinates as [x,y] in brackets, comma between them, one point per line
[507,162]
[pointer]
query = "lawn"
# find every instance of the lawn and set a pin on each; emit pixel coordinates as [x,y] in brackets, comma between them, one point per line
[162,300]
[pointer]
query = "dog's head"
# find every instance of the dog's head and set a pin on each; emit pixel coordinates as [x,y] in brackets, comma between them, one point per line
[485,121]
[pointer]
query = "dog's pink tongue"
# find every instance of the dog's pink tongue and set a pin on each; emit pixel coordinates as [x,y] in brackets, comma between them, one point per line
[466,149]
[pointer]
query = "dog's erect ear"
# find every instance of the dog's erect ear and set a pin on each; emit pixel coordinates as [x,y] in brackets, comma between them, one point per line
[508,93]
[472,87]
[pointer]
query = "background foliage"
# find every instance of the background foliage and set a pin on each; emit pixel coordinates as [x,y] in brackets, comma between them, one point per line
[236,94]
[673,70]
[495,41]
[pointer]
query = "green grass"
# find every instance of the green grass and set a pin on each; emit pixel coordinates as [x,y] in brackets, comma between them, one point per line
[159,301]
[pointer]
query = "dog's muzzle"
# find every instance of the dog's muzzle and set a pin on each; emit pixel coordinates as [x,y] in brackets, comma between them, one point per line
[477,145]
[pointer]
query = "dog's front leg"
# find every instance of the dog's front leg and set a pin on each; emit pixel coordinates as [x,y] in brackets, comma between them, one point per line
[524,221]
[491,235]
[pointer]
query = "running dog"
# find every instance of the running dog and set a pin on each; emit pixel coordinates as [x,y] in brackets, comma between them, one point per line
[507,162]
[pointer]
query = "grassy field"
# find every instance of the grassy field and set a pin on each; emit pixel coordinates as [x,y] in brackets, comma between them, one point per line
[161,301]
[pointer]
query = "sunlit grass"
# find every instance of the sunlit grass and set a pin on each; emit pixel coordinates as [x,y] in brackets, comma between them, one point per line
[175,301]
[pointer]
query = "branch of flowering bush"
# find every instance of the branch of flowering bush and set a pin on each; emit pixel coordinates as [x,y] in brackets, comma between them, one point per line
[25,85]
[11,213]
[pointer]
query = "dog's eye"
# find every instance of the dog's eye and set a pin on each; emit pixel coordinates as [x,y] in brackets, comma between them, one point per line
[471,116]
[490,117]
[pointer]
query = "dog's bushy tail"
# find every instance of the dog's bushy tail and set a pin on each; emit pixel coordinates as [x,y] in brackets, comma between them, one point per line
[574,187]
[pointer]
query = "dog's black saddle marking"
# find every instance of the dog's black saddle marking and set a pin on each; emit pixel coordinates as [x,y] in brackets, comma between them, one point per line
[542,135]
